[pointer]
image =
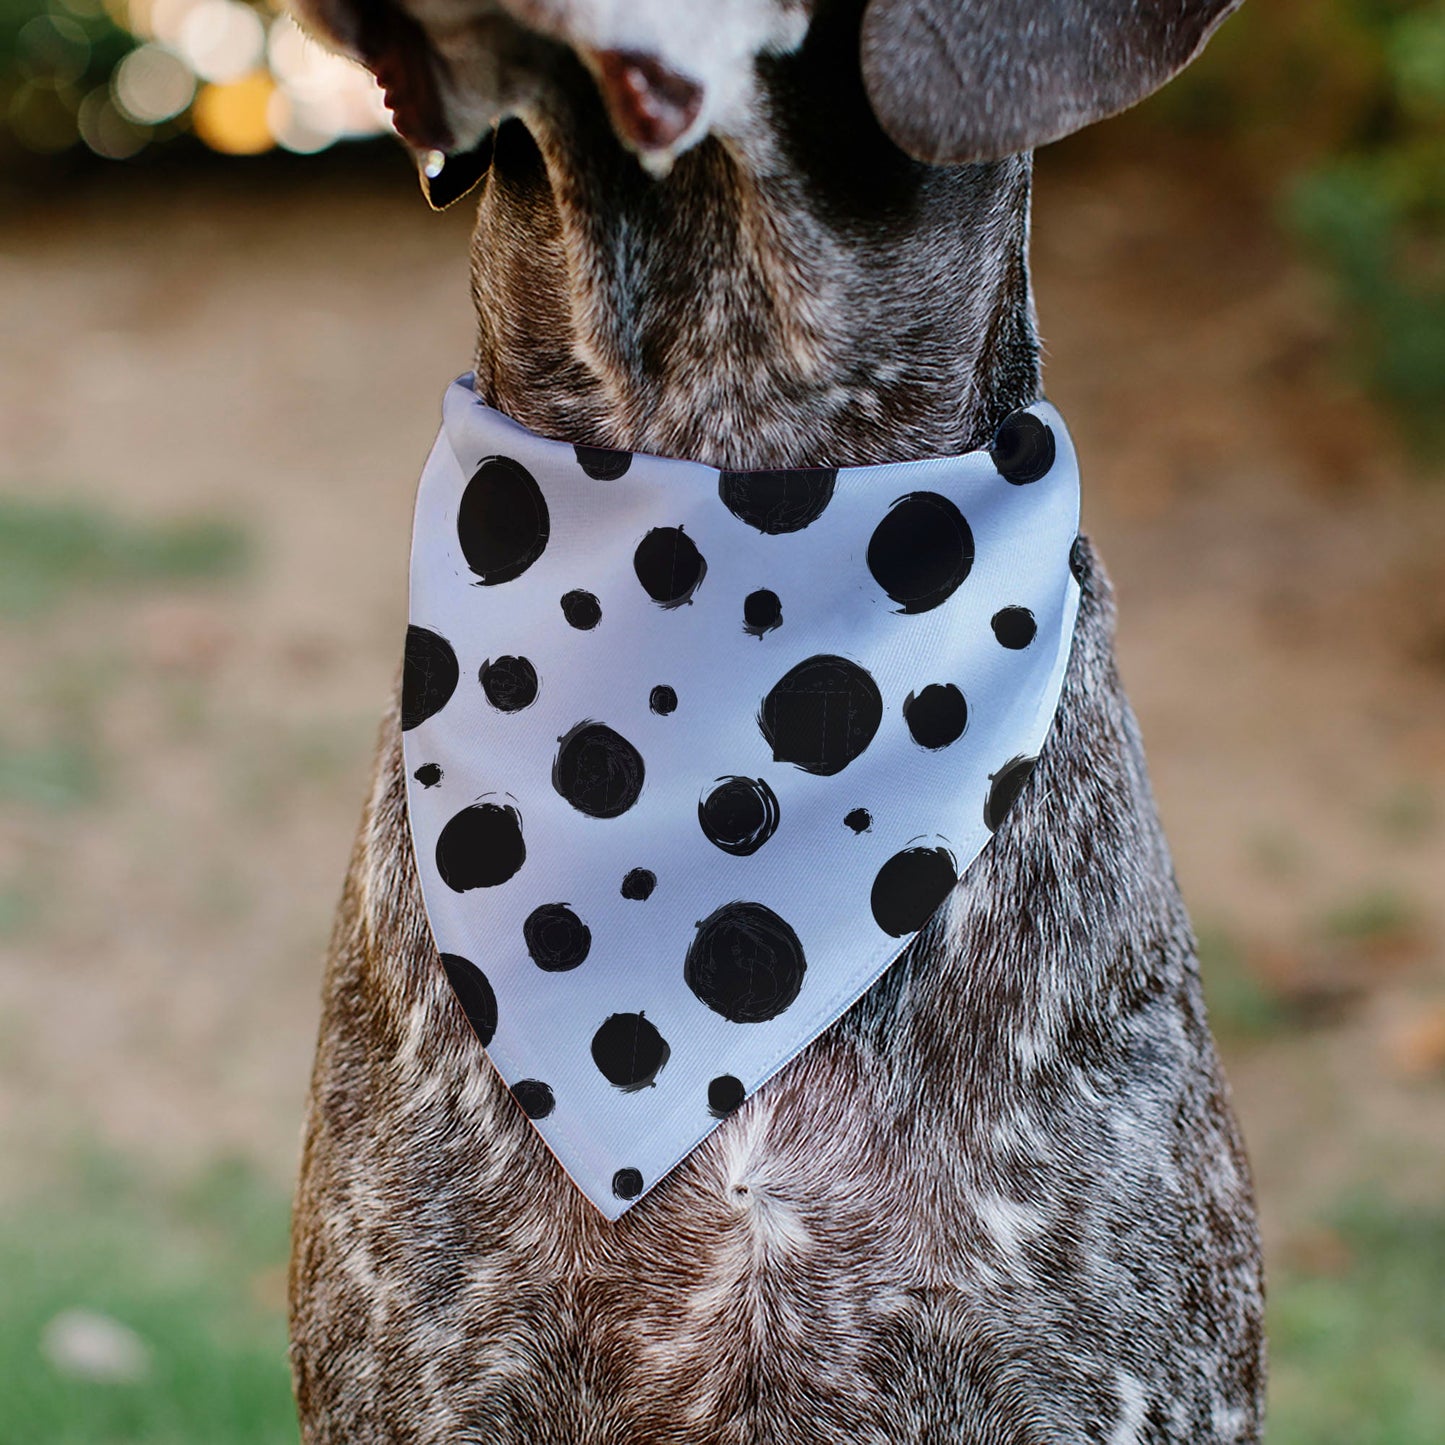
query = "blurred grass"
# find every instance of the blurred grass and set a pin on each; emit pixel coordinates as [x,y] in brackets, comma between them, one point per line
[194,1272]
[50,549]
[1358,1344]
[1241,1005]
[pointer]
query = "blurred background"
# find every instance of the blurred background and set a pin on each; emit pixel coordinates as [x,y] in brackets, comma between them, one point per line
[226,320]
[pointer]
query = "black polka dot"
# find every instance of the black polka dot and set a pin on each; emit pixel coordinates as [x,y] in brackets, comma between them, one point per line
[762,612]
[821,714]
[502,522]
[662,700]
[597,770]
[860,820]
[428,775]
[669,566]
[910,886]
[556,939]
[1079,560]
[627,1183]
[1023,448]
[1006,785]
[738,815]
[428,676]
[535,1097]
[921,551]
[638,885]
[603,464]
[582,610]
[629,1051]
[937,716]
[724,1095]
[481,847]
[745,963]
[474,994]
[1014,627]
[510,683]
[777,502]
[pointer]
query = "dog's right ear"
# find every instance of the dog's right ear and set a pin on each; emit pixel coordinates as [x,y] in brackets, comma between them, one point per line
[975,80]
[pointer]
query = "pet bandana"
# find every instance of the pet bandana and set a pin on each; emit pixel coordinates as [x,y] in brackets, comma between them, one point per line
[692,754]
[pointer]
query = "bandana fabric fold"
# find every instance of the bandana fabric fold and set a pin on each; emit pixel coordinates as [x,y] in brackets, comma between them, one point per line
[691,755]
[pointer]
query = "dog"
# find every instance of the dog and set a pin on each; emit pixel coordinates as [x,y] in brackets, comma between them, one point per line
[1003,1199]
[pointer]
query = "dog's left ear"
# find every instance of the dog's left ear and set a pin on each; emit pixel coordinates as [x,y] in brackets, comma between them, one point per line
[975,80]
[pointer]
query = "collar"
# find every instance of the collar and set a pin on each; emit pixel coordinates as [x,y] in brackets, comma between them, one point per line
[692,754]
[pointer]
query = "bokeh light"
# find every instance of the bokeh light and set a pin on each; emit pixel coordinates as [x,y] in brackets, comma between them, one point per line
[232,117]
[221,40]
[152,84]
[117,76]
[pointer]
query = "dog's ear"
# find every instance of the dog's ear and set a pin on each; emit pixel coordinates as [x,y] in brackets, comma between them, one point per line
[975,80]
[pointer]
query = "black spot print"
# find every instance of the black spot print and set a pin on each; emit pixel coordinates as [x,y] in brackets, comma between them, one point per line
[582,610]
[921,551]
[597,770]
[745,963]
[474,994]
[821,714]
[627,1183]
[762,612]
[535,1097]
[662,700]
[629,1051]
[603,464]
[669,566]
[502,522]
[937,716]
[510,683]
[428,775]
[638,885]
[1079,560]
[1023,448]
[910,886]
[860,820]
[556,939]
[777,502]
[739,815]
[1006,785]
[429,676]
[1014,627]
[481,847]
[724,1095]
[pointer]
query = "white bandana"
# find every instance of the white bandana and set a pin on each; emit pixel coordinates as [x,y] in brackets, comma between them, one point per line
[691,755]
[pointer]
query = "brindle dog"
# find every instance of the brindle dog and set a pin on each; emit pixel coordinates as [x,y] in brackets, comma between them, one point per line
[1003,1199]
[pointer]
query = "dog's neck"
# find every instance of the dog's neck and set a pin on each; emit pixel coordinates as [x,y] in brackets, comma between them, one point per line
[804,296]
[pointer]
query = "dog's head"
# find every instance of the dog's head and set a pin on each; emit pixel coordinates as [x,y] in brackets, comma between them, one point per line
[949,81]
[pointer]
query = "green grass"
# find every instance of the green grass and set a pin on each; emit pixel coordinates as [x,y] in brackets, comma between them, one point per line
[194,1275]
[1358,1355]
[51,549]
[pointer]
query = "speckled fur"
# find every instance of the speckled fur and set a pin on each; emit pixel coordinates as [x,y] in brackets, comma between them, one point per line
[1003,1199]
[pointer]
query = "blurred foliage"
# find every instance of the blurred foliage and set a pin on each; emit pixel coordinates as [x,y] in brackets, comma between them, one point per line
[1338,108]
[51,59]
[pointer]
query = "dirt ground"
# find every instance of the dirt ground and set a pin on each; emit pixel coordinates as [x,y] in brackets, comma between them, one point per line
[272,352]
